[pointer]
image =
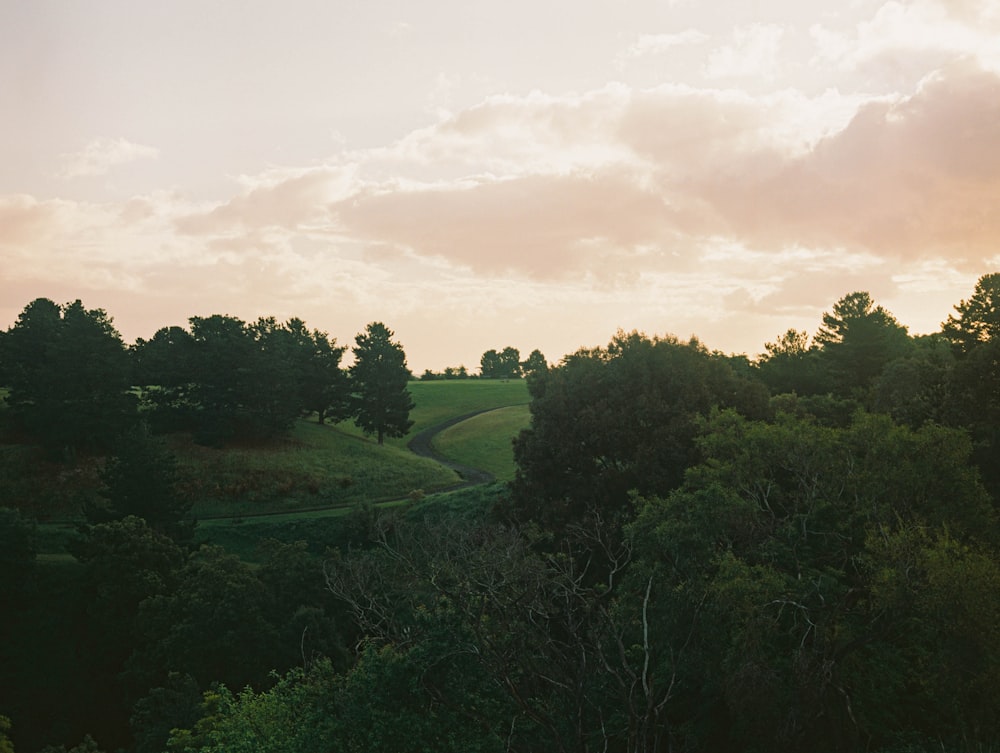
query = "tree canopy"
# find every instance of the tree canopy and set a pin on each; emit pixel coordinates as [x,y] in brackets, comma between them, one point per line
[68,374]
[379,377]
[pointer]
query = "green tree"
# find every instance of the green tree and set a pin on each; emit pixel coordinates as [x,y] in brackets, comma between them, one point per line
[221,364]
[6,746]
[124,562]
[325,390]
[608,421]
[177,704]
[212,626]
[18,549]
[510,363]
[790,365]
[141,479]
[489,364]
[856,341]
[164,369]
[68,374]
[977,320]
[505,364]
[777,546]
[534,363]
[379,377]
[915,389]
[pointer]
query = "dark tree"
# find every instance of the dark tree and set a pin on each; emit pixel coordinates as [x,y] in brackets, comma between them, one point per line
[213,626]
[222,358]
[977,320]
[489,364]
[608,421]
[17,556]
[164,370]
[379,376]
[534,363]
[140,479]
[272,398]
[324,388]
[510,363]
[68,374]
[791,365]
[505,364]
[856,342]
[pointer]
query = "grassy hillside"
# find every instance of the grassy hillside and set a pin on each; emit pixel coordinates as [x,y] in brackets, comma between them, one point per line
[316,466]
[484,441]
[438,401]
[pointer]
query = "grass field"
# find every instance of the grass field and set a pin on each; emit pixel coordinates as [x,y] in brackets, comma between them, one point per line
[484,441]
[329,467]
[439,400]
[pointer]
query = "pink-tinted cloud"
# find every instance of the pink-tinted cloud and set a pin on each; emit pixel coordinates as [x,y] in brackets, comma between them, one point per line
[544,226]
[913,179]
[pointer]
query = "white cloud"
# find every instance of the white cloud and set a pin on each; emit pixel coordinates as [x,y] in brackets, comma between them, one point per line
[752,53]
[659,44]
[100,155]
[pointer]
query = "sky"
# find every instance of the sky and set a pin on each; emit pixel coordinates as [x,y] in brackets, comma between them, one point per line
[476,175]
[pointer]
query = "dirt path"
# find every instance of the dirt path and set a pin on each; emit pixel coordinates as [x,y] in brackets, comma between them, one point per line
[422,445]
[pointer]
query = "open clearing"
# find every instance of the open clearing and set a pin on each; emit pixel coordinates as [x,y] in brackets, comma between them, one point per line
[484,441]
[316,473]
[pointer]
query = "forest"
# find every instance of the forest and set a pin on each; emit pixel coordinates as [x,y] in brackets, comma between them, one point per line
[698,551]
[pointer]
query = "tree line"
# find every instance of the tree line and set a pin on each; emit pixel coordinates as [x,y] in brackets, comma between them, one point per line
[699,551]
[74,385]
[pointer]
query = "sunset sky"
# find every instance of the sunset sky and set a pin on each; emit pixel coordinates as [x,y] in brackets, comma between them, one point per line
[482,174]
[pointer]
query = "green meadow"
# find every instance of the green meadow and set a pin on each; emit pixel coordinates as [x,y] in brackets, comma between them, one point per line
[484,441]
[440,400]
[302,486]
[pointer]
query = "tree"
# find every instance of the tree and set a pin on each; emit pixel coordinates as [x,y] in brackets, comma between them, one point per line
[124,562]
[978,319]
[535,363]
[140,479]
[489,364]
[222,359]
[6,746]
[68,374]
[379,377]
[791,365]
[18,549]
[505,364]
[324,386]
[164,369]
[213,626]
[510,363]
[608,421]
[797,551]
[856,342]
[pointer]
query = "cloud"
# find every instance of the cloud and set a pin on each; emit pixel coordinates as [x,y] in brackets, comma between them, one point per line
[911,179]
[659,44]
[672,208]
[753,52]
[540,226]
[288,199]
[904,41]
[99,156]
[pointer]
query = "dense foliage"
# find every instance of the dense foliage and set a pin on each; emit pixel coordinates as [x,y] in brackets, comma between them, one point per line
[379,376]
[699,552]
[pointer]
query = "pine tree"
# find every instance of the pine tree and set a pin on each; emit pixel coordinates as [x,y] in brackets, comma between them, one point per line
[379,376]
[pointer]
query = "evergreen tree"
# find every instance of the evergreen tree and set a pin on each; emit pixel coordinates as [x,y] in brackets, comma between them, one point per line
[856,342]
[68,374]
[379,376]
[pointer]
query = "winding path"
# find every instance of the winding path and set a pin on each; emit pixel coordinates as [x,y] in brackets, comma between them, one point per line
[422,445]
